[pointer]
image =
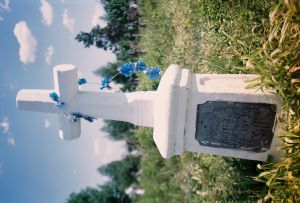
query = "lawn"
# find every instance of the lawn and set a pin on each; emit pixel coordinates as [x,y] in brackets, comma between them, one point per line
[214,36]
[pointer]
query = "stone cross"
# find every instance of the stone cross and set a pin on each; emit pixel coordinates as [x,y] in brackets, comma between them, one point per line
[128,107]
[207,113]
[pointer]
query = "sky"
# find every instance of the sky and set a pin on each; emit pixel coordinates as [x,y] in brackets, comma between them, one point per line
[35,165]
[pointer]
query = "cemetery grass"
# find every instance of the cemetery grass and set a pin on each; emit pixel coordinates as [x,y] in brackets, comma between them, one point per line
[260,37]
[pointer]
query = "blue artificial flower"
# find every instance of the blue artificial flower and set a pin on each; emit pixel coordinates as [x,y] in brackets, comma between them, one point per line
[71,117]
[127,69]
[140,66]
[76,116]
[88,118]
[82,81]
[74,119]
[60,104]
[105,82]
[153,72]
[54,96]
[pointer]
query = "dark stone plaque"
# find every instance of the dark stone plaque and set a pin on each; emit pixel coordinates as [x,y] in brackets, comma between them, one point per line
[235,125]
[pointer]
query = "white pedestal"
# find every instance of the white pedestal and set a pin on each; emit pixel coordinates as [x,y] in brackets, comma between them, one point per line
[175,110]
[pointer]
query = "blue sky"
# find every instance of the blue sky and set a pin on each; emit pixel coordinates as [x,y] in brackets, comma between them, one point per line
[35,165]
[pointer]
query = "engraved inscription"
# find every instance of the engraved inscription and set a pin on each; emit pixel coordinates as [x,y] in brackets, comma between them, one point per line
[235,125]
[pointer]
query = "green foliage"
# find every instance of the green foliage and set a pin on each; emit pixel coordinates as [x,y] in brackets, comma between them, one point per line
[259,37]
[193,177]
[119,35]
[158,175]
[123,13]
[203,35]
[119,130]
[121,31]
[217,179]
[278,62]
[105,194]
[123,172]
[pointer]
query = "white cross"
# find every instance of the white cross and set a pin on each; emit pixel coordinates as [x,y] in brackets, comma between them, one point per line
[136,108]
[171,110]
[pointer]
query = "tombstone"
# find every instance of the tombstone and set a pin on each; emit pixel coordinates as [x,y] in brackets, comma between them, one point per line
[206,113]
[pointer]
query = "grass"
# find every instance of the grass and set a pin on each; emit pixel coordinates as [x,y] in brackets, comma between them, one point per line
[278,62]
[194,177]
[214,36]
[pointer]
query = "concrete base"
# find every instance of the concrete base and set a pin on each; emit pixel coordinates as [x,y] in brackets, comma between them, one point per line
[175,110]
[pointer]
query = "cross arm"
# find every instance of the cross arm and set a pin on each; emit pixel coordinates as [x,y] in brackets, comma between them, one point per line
[68,129]
[39,100]
[65,81]
[36,100]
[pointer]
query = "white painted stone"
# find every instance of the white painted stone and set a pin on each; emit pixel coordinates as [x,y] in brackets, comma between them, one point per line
[171,110]
[175,112]
[133,107]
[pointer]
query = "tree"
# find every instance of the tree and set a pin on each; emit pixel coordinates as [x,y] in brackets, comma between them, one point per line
[107,193]
[123,172]
[122,28]
[119,130]
[123,13]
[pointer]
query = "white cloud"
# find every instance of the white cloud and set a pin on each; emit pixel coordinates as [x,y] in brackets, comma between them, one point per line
[109,153]
[27,42]
[110,148]
[97,147]
[98,12]
[5,125]
[68,21]
[11,141]
[47,12]
[5,5]
[46,123]
[49,53]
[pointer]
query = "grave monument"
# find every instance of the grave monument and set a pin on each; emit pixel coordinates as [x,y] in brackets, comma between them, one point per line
[206,113]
